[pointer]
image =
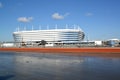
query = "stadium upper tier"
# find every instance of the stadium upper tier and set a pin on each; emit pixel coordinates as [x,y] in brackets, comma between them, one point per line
[52,35]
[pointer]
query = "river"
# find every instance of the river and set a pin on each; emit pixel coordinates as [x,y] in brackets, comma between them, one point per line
[45,66]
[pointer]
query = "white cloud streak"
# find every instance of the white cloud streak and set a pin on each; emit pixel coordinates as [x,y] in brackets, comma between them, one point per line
[1,5]
[25,19]
[66,14]
[89,14]
[58,16]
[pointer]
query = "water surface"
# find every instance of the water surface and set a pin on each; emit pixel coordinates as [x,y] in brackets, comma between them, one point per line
[40,66]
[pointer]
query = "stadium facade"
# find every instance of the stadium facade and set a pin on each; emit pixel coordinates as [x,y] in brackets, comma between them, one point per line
[50,35]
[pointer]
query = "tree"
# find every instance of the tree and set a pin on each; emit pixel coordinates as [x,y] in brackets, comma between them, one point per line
[23,43]
[43,42]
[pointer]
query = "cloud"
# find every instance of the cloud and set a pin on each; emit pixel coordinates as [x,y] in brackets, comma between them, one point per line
[57,16]
[1,5]
[66,14]
[25,19]
[89,14]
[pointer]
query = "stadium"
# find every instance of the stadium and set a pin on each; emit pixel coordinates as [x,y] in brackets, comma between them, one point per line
[50,36]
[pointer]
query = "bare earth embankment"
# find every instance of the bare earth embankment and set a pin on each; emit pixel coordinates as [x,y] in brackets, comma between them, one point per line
[91,51]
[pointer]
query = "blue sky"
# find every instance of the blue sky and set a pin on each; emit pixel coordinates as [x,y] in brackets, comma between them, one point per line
[99,19]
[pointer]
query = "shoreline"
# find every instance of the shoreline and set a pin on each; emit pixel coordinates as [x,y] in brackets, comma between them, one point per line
[84,51]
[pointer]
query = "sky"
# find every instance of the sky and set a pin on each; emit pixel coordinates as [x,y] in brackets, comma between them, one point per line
[99,19]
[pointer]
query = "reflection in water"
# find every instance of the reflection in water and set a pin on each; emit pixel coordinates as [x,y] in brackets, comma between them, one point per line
[38,66]
[6,77]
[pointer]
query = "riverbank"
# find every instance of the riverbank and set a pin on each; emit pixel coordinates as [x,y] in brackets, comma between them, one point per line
[90,51]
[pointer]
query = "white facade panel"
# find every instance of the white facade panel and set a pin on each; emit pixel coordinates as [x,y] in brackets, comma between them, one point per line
[54,35]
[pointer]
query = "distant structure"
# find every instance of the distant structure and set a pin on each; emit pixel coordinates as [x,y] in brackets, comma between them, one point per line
[50,35]
[113,42]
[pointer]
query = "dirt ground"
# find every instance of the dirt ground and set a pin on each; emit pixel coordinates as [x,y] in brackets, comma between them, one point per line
[93,51]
